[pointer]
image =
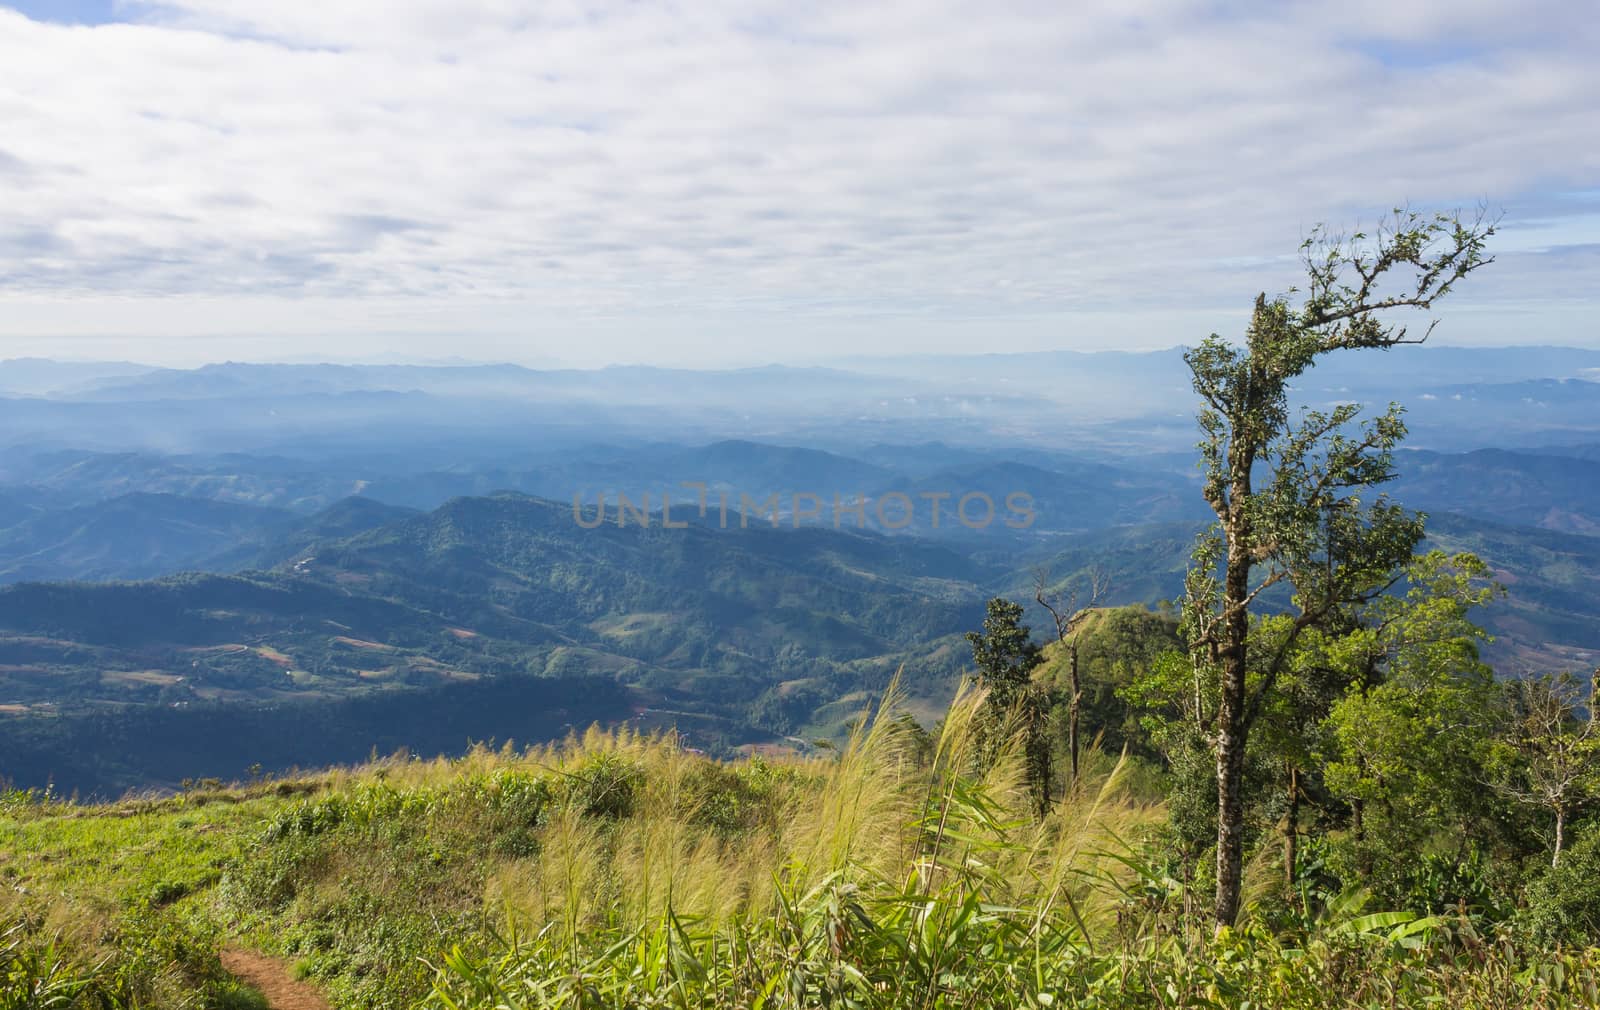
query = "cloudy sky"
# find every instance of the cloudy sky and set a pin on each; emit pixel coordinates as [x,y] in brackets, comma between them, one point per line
[738,181]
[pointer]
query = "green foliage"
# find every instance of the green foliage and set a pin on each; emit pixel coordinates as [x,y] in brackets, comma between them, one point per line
[618,871]
[36,976]
[978,910]
[116,896]
[737,800]
[1117,646]
[607,785]
[1564,904]
[1550,750]
[1004,651]
[1169,702]
[1409,746]
[152,958]
[358,882]
[1006,658]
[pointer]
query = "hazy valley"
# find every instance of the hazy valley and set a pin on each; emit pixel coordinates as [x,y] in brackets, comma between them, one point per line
[284,545]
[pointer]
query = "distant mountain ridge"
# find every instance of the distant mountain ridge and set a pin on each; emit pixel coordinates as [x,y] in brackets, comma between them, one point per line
[1117,400]
[143,535]
[1527,489]
[129,537]
[63,508]
[46,377]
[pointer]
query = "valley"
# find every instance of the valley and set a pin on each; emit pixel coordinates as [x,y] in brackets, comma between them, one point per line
[242,589]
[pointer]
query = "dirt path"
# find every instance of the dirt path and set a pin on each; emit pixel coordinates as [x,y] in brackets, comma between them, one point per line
[271,976]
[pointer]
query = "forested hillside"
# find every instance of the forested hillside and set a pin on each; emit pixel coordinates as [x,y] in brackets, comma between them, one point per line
[758,633]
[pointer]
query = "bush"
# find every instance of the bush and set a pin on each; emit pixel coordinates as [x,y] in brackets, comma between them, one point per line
[1564,904]
[606,785]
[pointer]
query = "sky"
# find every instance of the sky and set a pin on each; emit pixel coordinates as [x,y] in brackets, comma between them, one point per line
[727,183]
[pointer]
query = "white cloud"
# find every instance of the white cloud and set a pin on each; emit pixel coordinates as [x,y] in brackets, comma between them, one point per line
[652,181]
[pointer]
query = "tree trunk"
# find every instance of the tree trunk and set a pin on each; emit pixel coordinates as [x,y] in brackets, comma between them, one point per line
[1232,728]
[1561,834]
[1230,818]
[1074,702]
[1291,829]
[1358,806]
[1038,751]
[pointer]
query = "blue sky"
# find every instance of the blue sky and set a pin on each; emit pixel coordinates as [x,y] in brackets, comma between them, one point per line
[735,182]
[72,12]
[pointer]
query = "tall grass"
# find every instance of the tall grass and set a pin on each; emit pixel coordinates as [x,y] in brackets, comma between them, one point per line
[37,974]
[876,880]
[883,882]
[619,871]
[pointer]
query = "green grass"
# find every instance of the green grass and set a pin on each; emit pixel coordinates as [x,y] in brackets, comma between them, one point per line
[117,897]
[619,870]
[108,857]
[889,884]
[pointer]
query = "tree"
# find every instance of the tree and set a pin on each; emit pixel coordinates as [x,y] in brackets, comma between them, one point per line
[1557,750]
[1291,728]
[1288,494]
[1175,706]
[1068,617]
[1409,742]
[1006,657]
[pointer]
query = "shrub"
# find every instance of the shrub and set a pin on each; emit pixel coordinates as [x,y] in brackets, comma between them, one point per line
[1564,904]
[605,785]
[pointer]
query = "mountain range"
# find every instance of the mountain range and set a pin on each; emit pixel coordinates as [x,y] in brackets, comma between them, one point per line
[254,550]
[1104,403]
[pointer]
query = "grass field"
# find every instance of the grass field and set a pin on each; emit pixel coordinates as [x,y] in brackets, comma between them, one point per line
[619,870]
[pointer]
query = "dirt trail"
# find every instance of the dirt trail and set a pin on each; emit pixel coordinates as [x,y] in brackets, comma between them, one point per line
[271,976]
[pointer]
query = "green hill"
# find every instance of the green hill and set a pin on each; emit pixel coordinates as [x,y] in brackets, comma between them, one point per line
[700,620]
[740,633]
[129,537]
